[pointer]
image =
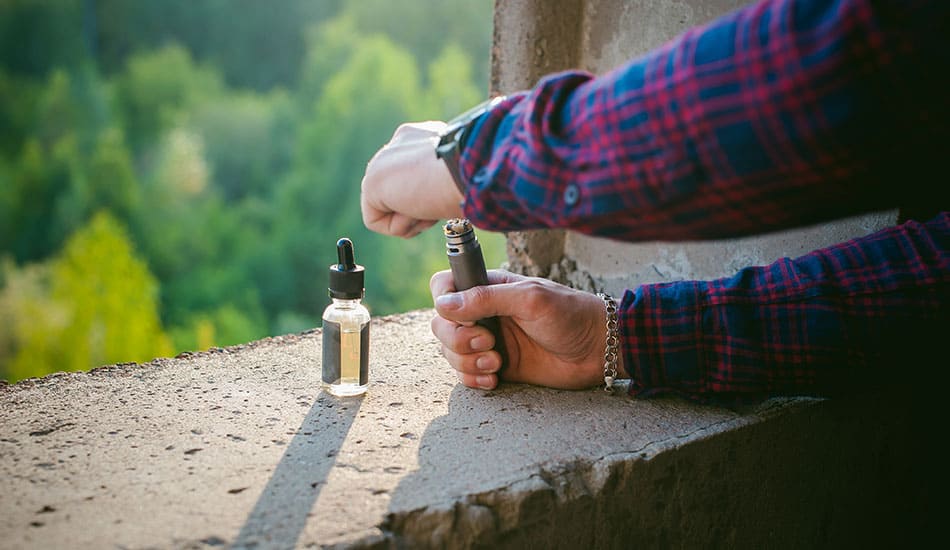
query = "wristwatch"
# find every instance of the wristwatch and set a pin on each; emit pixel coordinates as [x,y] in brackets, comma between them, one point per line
[452,140]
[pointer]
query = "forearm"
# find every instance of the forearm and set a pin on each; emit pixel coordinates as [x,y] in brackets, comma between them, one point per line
[835,320]
[768,118]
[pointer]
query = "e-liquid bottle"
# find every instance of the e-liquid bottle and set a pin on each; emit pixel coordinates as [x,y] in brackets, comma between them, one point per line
[346,327]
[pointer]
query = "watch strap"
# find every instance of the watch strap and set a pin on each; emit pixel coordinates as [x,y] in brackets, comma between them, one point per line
[451,160]
[452,141]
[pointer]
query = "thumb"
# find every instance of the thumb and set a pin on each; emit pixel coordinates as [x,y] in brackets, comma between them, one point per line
[480,302]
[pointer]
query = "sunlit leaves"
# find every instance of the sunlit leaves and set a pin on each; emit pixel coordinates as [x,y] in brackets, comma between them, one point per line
[94,304]
[222,145]
[183,168]
[451,89]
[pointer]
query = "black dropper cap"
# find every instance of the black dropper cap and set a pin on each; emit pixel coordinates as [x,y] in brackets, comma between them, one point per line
[346,278]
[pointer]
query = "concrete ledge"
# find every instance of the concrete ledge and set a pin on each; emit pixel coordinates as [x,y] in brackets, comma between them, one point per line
[239,447]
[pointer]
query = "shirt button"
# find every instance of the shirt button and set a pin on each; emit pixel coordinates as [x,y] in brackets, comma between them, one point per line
[571,194]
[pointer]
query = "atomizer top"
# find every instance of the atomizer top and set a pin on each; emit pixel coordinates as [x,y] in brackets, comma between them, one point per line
[346,277]
[457,227]
[458,231]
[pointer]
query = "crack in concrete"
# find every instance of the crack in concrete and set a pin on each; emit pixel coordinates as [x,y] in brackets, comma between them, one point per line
[52,429]
[672,438]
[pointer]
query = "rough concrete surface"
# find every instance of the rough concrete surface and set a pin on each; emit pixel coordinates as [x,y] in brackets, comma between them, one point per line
[598,263]
[240,447]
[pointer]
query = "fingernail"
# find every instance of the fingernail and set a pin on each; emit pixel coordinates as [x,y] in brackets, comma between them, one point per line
[484,382]
[480,343]
[485,363]
[451,300]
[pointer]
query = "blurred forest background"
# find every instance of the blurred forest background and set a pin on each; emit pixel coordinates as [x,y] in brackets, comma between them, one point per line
[174,174]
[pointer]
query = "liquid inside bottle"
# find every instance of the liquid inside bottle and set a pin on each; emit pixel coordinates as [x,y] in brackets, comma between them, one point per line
[346,348]
[350,357]
[346,327]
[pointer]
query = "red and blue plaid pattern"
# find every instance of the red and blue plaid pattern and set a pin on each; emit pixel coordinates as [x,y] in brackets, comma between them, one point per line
[781,114]
[857,314]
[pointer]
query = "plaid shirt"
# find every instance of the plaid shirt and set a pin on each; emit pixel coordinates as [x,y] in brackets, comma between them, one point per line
[781,114]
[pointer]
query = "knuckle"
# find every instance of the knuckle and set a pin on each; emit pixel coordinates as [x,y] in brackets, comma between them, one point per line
[534,293]
[404,128]
[479,294]
[437,282]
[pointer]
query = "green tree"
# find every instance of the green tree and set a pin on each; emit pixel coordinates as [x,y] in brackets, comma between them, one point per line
[357,110]
[73,104]
[47,188]
[424,27]
[105,181]
[30,321]
[227,325]
[27,210]
[95,303]
[257,45]
[248,141]
[158,88]
[232,195]
[451,89]
[17,104]
[39,35]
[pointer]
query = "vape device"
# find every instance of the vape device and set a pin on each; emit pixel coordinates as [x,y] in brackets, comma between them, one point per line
[468,270]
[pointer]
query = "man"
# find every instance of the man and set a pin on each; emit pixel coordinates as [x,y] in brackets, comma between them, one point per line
[784,113]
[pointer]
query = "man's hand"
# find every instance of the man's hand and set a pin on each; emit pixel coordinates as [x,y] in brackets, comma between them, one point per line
[554,335]
[407,189]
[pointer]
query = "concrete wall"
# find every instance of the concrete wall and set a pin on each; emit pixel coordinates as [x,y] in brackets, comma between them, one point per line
[241,448]
[536,37]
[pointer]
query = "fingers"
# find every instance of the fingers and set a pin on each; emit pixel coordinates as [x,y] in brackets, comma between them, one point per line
[473,363]
[407,227]
[480,381]
[405,184]
[476,370]
[519,298]
[462,339]
[468,351]
[466,346]
[442,283]
[401,225]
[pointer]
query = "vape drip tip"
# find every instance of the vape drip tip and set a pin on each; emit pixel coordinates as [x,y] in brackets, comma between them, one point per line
[465,254]
[456,227]
[458,232]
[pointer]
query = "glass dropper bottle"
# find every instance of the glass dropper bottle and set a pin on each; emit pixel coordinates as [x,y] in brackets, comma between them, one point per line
[346,327]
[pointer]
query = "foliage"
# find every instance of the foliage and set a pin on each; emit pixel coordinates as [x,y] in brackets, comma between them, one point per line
[174,177]
[93,304]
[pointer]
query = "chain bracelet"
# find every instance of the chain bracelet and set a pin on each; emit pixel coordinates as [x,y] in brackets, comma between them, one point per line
[612,343]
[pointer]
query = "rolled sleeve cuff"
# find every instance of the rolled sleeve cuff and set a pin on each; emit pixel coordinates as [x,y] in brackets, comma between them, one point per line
[662,337]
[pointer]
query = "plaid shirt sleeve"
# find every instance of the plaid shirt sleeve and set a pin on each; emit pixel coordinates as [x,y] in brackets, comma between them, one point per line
[826,323]
[781,114]
[784,113]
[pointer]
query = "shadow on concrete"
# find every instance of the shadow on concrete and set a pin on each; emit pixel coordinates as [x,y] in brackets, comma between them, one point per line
[851,472]
[489,452]
[282,509]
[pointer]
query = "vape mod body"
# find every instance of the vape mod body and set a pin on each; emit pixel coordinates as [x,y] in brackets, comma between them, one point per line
[468,270]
